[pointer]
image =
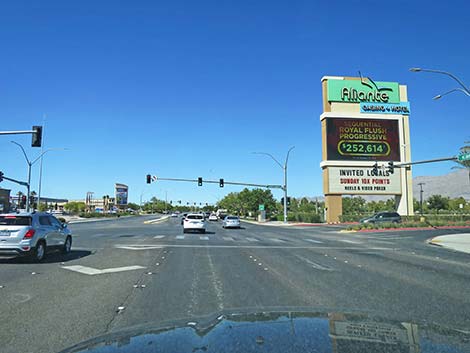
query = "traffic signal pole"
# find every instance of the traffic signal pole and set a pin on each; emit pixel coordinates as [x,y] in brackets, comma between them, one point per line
[268,186]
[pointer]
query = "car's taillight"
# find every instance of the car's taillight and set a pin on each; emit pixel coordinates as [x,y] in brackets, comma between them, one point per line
[29,234]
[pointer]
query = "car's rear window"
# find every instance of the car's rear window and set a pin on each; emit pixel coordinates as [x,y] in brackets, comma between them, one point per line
[195,217]
[233,217]
[15,220]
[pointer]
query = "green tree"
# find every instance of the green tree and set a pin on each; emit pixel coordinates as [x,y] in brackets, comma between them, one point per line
[354,205]
[75,207]
[133,206]
[438,202]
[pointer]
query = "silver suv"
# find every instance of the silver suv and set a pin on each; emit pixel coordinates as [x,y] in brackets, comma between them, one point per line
[32,234]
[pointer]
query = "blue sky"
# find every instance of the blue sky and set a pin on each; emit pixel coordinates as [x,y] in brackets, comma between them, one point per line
[191,88]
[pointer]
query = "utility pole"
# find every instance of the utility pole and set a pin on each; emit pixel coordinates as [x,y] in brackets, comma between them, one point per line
[421,197]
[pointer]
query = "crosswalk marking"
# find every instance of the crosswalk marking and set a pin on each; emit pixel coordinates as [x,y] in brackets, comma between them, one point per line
[251,239]
[204,238]
[159,236]
[314,241]
[180,237]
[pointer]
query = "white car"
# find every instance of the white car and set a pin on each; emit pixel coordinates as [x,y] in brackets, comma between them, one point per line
[194,221]
[213,217]
[231,222]
[174,215]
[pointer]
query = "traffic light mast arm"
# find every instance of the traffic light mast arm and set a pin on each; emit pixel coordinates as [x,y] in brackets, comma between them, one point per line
[225,182]
[15,181]
[454,158]
[19,132]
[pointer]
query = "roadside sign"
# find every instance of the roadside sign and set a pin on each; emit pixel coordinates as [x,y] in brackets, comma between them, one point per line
[261,207]
[464,157]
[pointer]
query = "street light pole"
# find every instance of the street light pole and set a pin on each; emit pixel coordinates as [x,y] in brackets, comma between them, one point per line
[284,168]
[464,88]
[30,164]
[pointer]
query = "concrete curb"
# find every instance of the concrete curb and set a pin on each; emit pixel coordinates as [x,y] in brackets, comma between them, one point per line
[153,221]
[410,229]
[267,223]
[87,220]
[450,242]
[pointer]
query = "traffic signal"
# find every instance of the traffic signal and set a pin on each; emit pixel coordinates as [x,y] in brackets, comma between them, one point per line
[199,181]
[221,183]
[391,167]
[23,201]
[1,177]
[375,169]
[37,136]
[288,200]
[149,178]
[282,201]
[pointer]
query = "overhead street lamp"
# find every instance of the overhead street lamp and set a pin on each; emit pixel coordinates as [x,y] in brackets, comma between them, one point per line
[284,168]
[30,164]
[464,89]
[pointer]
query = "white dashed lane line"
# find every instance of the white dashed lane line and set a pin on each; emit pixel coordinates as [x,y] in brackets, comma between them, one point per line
[314,241]
[251,239]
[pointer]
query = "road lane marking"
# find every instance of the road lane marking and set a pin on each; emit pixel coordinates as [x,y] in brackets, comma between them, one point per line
[162,246]
[204,238]
[314,241]
[251,239]
[277,240]
[133,247]
[159,236]
[180,237]
[315,265]
[94,271]
[348,241]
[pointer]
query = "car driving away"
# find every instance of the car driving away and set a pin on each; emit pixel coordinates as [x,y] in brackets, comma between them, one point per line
[194,222]
[231,222]
[32,235]
[213,217]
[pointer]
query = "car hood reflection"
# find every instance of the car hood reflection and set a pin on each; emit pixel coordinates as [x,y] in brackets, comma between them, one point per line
[283,331]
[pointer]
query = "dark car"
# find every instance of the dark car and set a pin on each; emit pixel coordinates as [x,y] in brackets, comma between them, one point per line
[383,217]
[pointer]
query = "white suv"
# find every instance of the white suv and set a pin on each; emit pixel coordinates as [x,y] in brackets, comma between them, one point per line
[194,221]
[32,234]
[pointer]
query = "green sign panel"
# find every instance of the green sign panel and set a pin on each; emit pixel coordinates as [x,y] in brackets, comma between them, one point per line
[359,91]
[261,207]
[464,157]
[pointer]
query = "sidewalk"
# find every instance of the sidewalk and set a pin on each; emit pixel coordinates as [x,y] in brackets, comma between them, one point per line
[458,242]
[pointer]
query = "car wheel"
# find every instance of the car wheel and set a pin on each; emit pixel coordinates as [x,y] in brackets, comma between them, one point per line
[203,231]
[40,251]
[184,230]
[67,245]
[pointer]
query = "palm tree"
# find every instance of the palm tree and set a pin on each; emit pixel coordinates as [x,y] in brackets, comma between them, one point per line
[464,164]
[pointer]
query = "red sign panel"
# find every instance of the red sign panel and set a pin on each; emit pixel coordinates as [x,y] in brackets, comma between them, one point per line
[362,139]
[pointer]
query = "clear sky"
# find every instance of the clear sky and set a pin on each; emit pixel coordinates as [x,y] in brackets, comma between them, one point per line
[191,88]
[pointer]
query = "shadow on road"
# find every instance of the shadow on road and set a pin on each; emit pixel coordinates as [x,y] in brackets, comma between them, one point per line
[52,257]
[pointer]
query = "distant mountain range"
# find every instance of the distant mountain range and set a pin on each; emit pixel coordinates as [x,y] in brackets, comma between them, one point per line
[454,184]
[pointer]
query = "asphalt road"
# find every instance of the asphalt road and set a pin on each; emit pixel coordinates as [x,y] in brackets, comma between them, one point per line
[155,273]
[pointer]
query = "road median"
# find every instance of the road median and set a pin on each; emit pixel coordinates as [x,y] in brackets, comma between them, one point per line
[157,220]
[458,242]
